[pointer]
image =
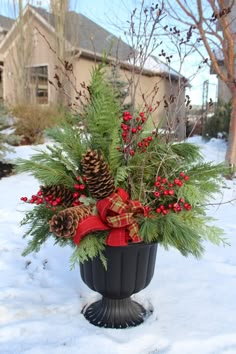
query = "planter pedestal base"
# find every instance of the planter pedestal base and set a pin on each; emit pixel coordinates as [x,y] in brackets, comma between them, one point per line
[129,269]
[115,313]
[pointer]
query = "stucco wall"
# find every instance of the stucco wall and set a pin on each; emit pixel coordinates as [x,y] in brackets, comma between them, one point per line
[37,53]
[175,112]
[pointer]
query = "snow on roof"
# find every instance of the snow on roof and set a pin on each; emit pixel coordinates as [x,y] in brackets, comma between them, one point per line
[159,67]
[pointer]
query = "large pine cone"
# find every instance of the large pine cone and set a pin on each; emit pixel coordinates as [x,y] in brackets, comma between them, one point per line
[59,191]
[65,223]
[98,175]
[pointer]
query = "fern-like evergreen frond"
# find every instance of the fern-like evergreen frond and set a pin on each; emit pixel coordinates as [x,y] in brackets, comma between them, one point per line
[91,246]
[102,114]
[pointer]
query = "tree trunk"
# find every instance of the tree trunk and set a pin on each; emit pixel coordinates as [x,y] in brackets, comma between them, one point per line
[231,150]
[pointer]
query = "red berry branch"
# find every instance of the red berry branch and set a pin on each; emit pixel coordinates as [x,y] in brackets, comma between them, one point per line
[57,197]
[166,196]
[131,129]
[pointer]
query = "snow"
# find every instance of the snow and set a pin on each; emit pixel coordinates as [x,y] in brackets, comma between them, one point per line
[158,66]
[193,301]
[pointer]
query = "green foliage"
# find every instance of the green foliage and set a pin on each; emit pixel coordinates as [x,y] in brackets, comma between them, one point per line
[49,167]
[38,227]
[138,161]
[5,139]
[219,122]
[101,116]
[91,246]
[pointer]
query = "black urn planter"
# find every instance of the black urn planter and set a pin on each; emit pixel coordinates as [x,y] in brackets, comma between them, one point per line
[129,270]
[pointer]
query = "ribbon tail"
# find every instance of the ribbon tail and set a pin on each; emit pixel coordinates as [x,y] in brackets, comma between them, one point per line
[117,237]
[90,224]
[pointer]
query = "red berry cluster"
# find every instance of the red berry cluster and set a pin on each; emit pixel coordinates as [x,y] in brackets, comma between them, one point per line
[79,187]
[51,202]
[130,127]
[165,191]
[144,143]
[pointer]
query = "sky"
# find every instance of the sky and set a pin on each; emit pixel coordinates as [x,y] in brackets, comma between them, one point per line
[113,15]
[190,302]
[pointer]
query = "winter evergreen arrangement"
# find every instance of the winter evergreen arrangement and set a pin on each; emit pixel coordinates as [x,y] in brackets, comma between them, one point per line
[107,180]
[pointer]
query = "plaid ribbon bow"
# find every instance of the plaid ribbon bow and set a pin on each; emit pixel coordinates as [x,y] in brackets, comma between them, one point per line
[116,213]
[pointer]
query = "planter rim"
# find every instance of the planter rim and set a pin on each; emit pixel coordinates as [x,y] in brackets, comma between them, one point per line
[133,245]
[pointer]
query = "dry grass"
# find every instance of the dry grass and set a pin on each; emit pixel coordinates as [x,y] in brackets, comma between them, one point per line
[32,119]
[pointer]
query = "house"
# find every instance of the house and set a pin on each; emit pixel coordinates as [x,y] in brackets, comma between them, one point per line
[5,25]
[30,57]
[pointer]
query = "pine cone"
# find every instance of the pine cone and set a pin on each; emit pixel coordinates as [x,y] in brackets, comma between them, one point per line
[65,223]
[59,191]
[98,175]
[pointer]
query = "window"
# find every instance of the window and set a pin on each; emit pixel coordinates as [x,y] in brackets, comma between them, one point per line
[38,84]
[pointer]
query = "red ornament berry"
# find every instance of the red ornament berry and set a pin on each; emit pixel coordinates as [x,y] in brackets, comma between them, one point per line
[164,212]
[76,186]
[132,152]
[186,178]
[39,201]
[78,178]
[134,130]
[150,109]
[24,199]
[82,187]
[158,210]
[157,184]
[141,114]
[162,207]
[40,193]
[139,127]
[140,144]
[164,180]
[171,192]
[181,200]
[149,138]
[176,181]
[187,206]
[182,174]
[157,194]
[165,192]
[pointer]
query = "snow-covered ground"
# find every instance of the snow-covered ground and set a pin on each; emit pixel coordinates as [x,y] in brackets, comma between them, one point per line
[194,301]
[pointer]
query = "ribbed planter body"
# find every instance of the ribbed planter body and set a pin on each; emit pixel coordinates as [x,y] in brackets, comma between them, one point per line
[129,270]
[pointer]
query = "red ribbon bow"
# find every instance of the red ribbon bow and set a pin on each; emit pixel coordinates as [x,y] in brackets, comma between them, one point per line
[115,214]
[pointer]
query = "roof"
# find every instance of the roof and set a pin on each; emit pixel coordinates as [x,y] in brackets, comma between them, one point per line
[159,67]
[83,33]
[91,40]
[6,22]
